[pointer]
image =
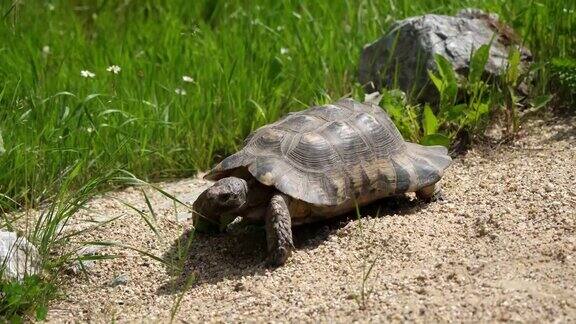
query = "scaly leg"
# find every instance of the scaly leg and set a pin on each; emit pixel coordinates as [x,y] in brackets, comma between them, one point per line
[278,230]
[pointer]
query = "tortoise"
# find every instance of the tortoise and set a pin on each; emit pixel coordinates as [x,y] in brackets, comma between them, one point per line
[316,164]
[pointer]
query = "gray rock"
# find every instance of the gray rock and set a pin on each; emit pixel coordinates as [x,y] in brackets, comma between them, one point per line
[18,257]
[401,58]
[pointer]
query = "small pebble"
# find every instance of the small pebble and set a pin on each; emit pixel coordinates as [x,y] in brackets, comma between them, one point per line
[119,280]
[239,287]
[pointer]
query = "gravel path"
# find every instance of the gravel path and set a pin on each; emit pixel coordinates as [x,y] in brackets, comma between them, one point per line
[501,247]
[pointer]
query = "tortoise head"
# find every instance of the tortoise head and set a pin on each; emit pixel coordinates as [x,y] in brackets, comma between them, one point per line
[225,198]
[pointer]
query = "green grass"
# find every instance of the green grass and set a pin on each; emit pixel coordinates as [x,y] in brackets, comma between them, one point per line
[251,62]
[54,250]
[58,248]
[18,298]
[564,79]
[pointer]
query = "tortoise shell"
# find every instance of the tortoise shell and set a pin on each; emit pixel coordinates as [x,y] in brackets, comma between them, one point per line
[332,154]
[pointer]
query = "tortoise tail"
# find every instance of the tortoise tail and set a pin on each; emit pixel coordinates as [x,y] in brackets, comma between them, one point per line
[429,162]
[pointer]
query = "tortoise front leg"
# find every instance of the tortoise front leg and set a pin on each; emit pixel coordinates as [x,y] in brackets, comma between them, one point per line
[247,223]
[278,230]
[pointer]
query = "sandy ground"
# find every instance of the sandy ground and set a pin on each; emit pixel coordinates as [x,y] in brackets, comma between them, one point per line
[500,247]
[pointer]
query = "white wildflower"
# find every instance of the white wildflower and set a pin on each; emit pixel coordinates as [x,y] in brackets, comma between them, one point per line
[181,92]
[284,51]
[51,7]
[186,78]
[114,69]
[87,74]
[46,49]
[280,28]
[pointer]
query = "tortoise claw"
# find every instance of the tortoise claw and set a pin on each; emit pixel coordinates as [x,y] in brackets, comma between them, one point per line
[241,226]
[278,257]
[438,196]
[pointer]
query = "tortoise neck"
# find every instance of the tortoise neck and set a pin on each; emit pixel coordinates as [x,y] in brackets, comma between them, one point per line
[258,194]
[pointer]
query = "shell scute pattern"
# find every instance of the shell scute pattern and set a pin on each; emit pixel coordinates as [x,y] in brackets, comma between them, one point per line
[323,159]
[266,143]
[345,140]
[328,155]
[331,112]
[299,123]
[383,141]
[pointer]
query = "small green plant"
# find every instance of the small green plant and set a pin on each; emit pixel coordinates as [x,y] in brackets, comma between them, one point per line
[30,297]
[509,100]
[564,76]
[465,105]
[404,115]
[431,125]
[565,71]
[440,124]
[445,81]
[453,117]
[31,294]
[58,247]
[368,260]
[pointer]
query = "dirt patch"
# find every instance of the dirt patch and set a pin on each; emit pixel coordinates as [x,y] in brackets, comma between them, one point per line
[500,247]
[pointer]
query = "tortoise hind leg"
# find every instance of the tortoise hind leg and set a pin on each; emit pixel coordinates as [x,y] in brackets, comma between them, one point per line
[278,230]
[431,193]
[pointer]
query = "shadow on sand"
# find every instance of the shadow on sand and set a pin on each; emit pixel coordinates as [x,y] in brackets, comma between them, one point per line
[565,133]
[208,259]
